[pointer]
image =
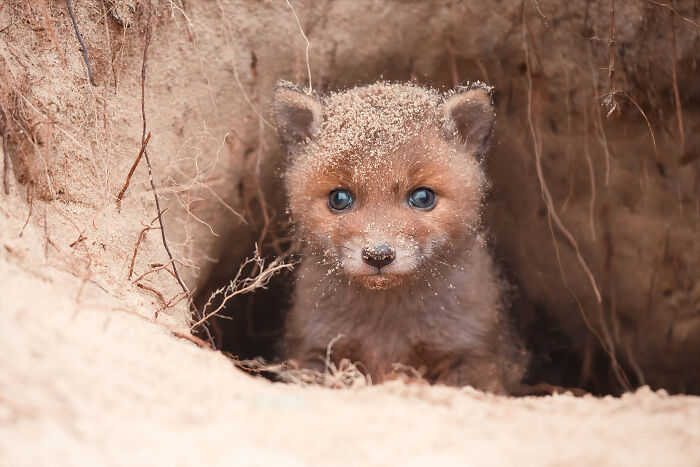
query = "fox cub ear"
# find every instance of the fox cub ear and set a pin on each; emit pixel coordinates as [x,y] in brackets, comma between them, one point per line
[297,115]
[469,114]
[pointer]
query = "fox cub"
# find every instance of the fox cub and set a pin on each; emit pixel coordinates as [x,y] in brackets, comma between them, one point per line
[385,189]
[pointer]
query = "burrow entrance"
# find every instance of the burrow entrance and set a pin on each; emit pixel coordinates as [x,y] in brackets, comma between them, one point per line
[251,326]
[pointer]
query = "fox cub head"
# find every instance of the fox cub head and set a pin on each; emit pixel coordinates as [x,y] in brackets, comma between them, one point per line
[384,181]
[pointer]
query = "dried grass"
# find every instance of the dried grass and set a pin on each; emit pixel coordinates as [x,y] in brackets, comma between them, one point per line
[345,375]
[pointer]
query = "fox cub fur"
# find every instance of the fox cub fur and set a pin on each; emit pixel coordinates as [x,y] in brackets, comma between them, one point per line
[385,188]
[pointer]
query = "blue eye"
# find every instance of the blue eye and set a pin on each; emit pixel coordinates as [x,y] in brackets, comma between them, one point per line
[339,199]
[422,198]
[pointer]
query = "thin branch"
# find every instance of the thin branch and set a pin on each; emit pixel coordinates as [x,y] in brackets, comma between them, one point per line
[6,153]
[598,118]
[194,339]
[142,234]
[651,132]
[591,173]
[553,216]
[546,195]
[151,289]
[145,152]
[623,377]
[30,200]
[133,168]
[676,94]
[611,49]
[82,44]
[173,301]
[225,204]
[49,26]
[308,65]
[109,43]
[155,269]
[239,286]
[539,12]
[673,10]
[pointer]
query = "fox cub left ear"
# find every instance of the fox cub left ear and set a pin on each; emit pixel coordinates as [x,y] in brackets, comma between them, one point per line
[298,116]
[469,115]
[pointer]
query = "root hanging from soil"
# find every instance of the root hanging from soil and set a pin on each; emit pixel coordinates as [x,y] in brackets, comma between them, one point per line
[5,152]
[676,94]
[147,43]
[49,27]
[82,44]
[308,44]
[553,216]
[240,285]
[591,174]
[674,12]
[133,168]
[546,196]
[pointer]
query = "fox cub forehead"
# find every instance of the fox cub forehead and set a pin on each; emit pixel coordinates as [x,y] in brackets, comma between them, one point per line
[375,121]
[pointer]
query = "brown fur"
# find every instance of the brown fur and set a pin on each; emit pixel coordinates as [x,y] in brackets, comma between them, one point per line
[438,306]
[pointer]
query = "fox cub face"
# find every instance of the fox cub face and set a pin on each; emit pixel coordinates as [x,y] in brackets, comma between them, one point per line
[383,181]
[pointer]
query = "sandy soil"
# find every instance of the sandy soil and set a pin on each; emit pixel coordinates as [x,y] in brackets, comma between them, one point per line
[90,384]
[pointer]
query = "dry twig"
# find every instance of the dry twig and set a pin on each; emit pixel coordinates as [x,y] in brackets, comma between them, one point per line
[308,64]
[609,99]
[82,44]
[49,27]
[30,200]
[676,94]
[611,49]
[156,269]
[147,43]
[109,44]
[673,11]
[171,303]
[133,168]
[644,115]
[591,173]
[240,286]
[539,12]
[141,236]
[194,339]
[5,152]
[553,216]
[156,292]
[598,119]
[546,195]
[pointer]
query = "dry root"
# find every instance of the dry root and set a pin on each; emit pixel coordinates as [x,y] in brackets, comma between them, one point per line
[240,285]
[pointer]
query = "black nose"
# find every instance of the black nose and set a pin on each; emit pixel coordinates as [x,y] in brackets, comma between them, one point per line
[378,256]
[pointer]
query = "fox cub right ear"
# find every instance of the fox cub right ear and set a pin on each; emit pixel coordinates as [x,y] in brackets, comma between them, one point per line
[469,115]
[298,115]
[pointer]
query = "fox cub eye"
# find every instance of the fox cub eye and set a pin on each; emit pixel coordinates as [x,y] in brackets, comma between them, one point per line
[339,199]
[422,198]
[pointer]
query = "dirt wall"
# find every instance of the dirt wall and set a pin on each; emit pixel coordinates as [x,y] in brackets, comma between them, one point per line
[594,219]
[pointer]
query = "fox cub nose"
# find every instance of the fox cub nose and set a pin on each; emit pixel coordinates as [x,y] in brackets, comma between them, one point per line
[378,256]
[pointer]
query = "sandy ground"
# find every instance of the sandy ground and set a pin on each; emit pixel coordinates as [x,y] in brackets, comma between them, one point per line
[91,383]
